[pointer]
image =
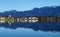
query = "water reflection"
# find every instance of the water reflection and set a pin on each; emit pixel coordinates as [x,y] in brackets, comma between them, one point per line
[37,26]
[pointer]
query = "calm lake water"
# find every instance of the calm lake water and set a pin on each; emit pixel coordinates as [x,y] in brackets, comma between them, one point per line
[51,29]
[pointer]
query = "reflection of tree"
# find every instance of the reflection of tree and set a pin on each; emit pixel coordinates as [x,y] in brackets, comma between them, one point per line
[44,26]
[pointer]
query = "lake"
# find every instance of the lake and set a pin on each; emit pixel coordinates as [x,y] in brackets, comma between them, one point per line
[43,29]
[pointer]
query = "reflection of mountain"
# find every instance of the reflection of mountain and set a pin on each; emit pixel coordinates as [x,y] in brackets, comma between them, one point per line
[44,11]
[50,26]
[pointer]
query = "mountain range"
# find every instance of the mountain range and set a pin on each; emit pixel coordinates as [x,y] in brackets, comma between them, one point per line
[43,11]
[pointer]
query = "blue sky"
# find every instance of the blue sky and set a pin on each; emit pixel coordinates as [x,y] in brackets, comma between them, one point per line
[22,5]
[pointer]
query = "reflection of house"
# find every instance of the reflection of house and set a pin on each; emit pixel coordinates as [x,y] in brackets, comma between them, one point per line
[2,19]
[29,19]
[33,19]
[5,19]
[39,19]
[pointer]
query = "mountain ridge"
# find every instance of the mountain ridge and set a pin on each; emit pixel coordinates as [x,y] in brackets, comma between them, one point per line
[43,11]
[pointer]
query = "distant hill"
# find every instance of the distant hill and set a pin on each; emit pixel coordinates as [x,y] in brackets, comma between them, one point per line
[44,11]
